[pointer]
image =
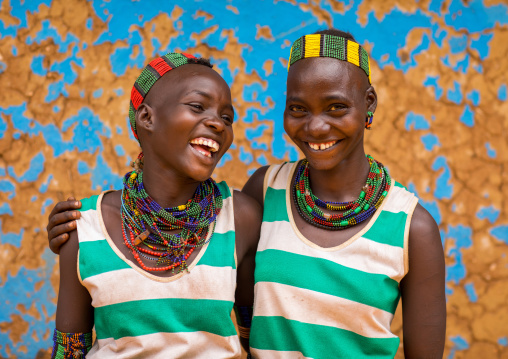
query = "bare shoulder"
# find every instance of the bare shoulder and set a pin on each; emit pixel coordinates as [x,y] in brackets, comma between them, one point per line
[423,230]
[254,186]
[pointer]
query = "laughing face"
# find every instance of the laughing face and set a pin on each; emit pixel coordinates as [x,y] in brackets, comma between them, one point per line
[185,122]
[326,106]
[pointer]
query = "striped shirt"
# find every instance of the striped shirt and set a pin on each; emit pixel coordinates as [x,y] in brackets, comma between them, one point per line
[140,315]
[314,302]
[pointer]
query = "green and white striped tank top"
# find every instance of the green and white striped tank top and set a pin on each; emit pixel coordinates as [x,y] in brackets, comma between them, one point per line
[140,315]
[314,302]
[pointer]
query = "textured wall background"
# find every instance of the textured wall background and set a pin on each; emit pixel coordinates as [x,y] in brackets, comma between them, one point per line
[439,67]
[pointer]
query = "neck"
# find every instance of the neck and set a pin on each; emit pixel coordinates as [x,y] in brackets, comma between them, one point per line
[342,183]
[166,187]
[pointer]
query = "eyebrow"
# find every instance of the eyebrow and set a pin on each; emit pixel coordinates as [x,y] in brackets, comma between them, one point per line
[325,99]
[204,94]
[293,99]
[336,97]
[209,97]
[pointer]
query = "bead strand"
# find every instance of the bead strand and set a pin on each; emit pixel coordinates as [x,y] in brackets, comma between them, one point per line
[145,224]
[371,197]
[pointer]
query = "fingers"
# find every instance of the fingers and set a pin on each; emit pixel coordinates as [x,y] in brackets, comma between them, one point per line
[60,218]
[59,235]
[63,206]
[57,242]
[62,223]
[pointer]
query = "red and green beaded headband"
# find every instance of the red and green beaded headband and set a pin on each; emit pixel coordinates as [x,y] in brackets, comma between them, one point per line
[149,76]
[321,45]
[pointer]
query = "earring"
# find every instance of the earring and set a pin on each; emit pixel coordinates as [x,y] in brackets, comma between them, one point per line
[368,121]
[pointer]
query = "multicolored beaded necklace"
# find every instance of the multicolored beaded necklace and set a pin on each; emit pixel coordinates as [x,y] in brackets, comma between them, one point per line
[354,212]
[145,223]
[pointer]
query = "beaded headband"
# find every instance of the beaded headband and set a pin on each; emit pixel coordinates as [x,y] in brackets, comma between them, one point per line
[149,76]
[321,45]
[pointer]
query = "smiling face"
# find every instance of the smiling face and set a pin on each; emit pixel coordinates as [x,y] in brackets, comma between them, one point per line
[185,122]
[326,107]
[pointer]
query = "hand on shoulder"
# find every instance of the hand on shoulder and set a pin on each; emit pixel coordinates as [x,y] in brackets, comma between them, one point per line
[61,221]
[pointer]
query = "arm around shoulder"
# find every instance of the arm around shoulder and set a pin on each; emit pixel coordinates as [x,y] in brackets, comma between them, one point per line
[423,290]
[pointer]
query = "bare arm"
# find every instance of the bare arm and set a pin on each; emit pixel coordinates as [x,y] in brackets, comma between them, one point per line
[61,221]
[247,228]
[423,290]
[74,313]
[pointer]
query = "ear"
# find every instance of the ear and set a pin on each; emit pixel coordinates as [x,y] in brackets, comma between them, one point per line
[371,99]
[144,118]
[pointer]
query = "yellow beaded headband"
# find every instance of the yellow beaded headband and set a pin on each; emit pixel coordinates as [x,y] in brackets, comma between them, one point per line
[321,45]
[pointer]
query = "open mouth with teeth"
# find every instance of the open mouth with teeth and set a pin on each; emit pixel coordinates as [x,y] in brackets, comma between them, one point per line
[205,146]
[322,146]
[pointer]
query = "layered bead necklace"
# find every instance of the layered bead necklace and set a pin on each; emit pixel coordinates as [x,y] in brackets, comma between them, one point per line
[145,223]
[310,207]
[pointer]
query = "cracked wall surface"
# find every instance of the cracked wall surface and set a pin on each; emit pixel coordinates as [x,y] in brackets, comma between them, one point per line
[439,68]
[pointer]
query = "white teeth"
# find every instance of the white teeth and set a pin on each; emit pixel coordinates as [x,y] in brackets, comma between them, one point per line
[205,154]
[321,146]
[211,144]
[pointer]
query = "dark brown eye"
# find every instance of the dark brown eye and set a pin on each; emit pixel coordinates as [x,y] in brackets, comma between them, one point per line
[296,108]
[336,107]
[228,118]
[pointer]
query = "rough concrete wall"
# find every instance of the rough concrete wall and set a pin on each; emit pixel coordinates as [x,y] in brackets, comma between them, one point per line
[439,67]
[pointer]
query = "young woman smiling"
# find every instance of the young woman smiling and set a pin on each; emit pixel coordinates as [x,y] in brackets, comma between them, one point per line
[341,241]
[157,262]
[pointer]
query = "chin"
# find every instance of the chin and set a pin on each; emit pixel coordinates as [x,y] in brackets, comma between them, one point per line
[322,165]
[200,173]
[323,162]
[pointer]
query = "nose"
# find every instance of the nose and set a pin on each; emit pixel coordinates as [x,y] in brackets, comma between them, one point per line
[214,122]
[317,127]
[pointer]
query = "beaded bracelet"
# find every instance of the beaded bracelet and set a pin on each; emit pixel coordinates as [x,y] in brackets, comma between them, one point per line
[71,345]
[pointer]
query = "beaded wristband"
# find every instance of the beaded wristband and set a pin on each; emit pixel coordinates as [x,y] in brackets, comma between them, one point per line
[321,45]
[71,345]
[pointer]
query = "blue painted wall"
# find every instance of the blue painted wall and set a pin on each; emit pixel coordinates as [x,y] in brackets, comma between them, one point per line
[67,67]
